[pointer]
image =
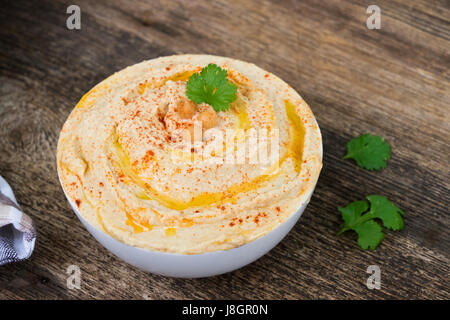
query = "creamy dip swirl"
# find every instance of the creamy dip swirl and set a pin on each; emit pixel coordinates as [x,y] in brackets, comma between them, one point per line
[122,165]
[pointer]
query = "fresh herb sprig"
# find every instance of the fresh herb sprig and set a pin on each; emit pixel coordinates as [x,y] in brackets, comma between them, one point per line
[212,87]
[369,151]
[369,231]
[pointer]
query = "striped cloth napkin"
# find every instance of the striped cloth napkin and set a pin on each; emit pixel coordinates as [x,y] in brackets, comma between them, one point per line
[17,233]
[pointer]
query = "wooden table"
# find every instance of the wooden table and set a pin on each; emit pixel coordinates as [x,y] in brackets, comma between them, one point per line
[392,82]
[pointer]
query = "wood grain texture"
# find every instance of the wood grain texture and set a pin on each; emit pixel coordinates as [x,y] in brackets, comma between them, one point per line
[394,82]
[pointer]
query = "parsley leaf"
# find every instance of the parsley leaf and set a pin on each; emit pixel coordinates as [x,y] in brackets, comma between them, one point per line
[370,234]
[369,231]
[387,212]
[212,86]
[369,151]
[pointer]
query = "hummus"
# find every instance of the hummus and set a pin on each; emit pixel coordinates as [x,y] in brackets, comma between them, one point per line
[122,163]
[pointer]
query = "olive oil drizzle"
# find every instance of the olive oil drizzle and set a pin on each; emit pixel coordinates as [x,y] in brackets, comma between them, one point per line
[229,195]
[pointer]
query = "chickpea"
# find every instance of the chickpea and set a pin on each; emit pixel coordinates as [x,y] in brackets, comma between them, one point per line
[208,118]
[186,109]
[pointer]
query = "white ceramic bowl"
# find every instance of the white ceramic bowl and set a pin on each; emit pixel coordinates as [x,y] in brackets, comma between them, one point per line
[208,263]
[194,265]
